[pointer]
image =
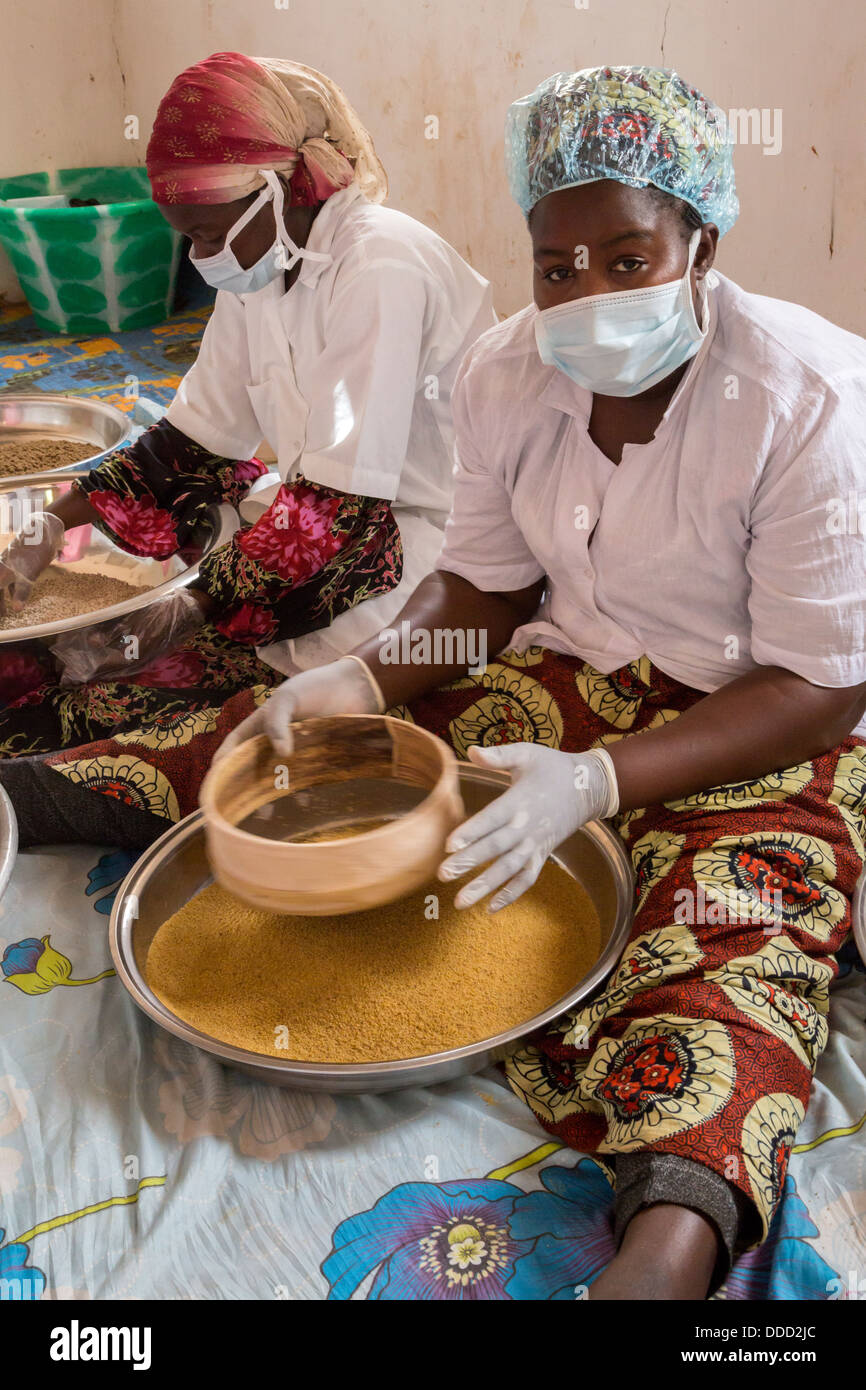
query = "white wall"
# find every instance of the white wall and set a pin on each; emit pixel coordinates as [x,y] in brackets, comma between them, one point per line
[61,86]
[61,91]
[800,229]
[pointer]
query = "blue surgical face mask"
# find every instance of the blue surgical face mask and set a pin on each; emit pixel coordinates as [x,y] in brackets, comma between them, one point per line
[225,272]
[623,343]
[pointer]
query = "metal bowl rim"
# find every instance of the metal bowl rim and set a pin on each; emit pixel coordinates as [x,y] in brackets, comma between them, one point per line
[10,850]
[83,465]
[603,836]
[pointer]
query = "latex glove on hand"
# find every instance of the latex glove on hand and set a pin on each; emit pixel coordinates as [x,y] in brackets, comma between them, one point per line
[27,555]
[105,652]
[346,686]
[552,794]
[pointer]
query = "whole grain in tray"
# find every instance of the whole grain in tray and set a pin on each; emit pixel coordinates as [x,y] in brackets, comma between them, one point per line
[39,455]
[61,592]
[388,983]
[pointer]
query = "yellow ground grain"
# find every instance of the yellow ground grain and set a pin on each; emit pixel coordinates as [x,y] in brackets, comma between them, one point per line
[60,592]
[372,986]
[37,455]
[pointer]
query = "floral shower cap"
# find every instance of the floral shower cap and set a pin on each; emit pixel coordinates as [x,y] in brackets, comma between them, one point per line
[637,125]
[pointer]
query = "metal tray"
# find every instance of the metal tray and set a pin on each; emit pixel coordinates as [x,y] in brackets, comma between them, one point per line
[175,868]
[46,415]
[217,527]
[8,840]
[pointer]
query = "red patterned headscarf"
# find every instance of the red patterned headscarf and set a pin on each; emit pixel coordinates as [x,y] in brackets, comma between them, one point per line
[224,119]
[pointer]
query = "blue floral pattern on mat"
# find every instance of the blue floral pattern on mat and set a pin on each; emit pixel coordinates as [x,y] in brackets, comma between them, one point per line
[110,869]
[445,1240]
[785,1266]
[491,1240]
[19,1281]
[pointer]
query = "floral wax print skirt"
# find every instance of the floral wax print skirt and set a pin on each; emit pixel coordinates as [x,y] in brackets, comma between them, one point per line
[146,742]
[704,1041]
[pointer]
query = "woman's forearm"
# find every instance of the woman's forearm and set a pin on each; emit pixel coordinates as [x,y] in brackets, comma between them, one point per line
[443,603]
[149,496]
[73,509]
[759,723]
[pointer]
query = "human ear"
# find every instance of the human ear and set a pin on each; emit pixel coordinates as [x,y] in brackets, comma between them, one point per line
[706,252]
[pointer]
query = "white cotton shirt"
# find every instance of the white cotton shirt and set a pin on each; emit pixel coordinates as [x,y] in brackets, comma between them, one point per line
[348,376]
[729,541]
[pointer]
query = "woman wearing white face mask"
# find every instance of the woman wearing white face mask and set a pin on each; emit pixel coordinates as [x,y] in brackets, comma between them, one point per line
[643,530]
[336,336]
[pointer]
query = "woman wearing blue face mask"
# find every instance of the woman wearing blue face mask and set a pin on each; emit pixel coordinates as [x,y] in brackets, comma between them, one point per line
[646,530]
[336,335]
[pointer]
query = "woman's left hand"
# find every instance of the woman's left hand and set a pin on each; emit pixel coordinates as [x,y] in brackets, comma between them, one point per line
[28,553]
[552,795]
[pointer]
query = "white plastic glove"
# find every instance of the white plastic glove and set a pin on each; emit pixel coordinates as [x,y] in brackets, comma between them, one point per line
[100,653]
[27,555]
[346,686]
[552,795]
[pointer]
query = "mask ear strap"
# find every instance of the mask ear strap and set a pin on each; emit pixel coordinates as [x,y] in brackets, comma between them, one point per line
[245,217]
[703,287]
[296,252]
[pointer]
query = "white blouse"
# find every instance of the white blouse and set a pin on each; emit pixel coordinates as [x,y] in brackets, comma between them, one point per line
[348,376]
[735,538]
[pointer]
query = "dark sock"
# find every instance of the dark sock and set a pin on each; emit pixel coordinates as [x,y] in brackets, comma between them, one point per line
[51,810]
[645,1178]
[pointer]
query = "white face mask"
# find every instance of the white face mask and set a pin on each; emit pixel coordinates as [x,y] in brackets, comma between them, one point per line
[623,343]
[224,271]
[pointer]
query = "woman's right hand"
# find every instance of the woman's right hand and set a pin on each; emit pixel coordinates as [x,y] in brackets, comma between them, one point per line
[342,687]
[27,555]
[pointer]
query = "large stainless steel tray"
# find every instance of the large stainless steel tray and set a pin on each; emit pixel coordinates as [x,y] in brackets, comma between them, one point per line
[8,840]
[175,868]
[217,527]
[47,415]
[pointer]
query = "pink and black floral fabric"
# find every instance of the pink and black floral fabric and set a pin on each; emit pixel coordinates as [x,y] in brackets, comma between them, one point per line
[314,554]
[151,495]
